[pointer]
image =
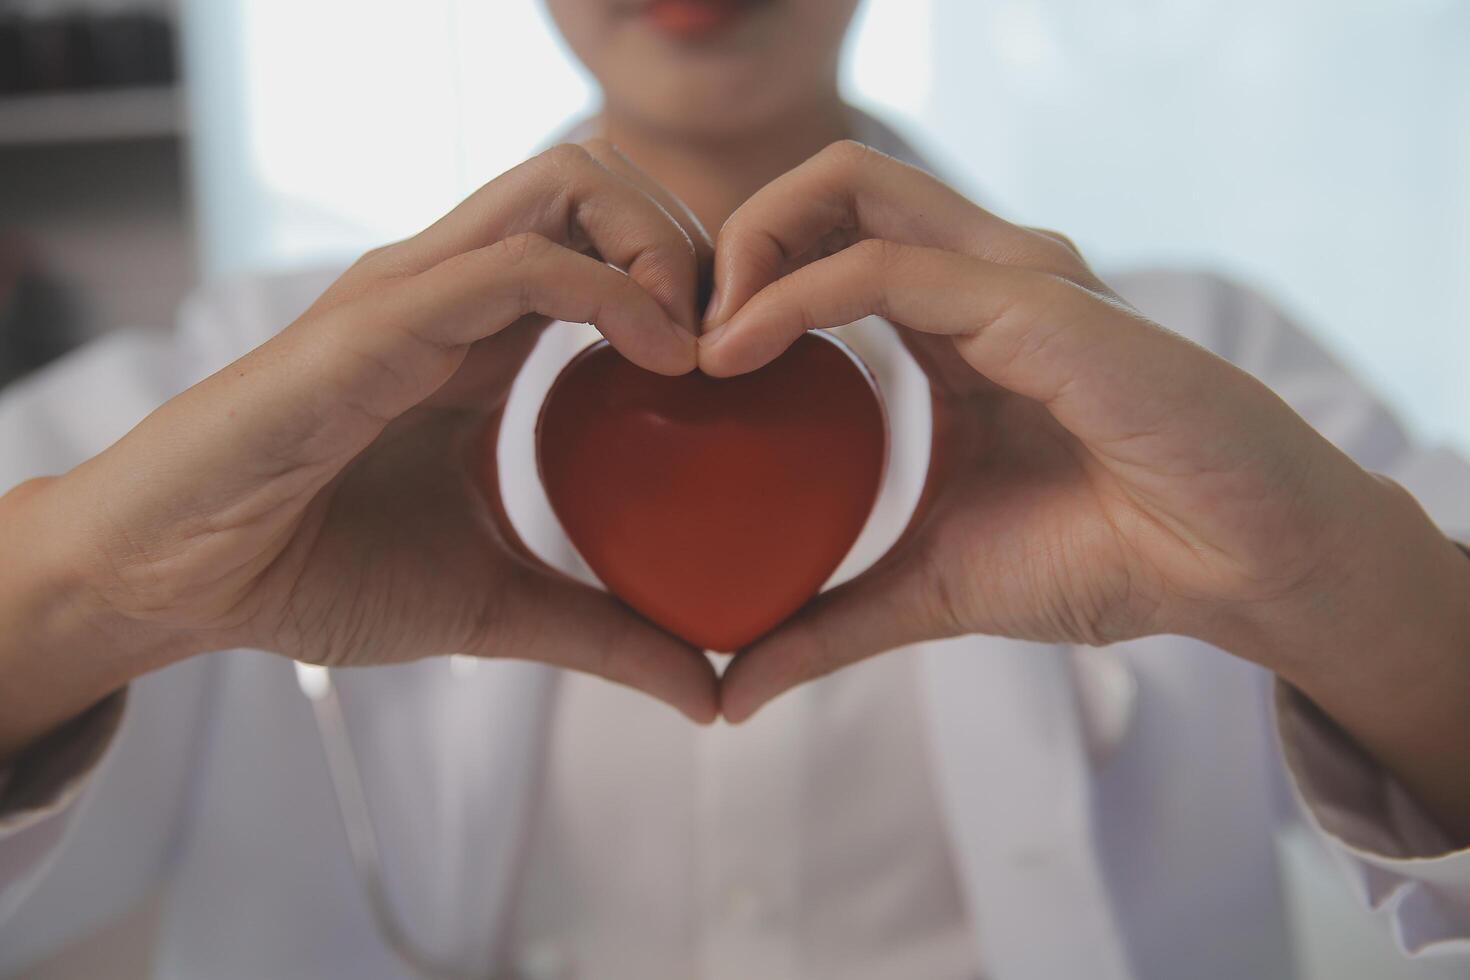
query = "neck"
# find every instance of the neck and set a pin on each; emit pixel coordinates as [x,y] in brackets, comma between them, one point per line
[715,173]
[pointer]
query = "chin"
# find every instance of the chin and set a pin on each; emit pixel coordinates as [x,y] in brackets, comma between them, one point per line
[707,68]
[706,115]
[710,100]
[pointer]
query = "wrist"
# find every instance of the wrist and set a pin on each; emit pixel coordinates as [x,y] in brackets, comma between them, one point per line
[1389,609]
[61,648]
[1387,655]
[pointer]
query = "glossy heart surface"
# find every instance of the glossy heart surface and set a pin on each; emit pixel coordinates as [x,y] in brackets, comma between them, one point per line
[715,507]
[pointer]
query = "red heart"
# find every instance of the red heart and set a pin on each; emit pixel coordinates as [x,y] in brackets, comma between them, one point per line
[714,507]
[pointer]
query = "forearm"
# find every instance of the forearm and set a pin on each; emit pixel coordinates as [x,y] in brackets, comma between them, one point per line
[60,649]
[1387,656]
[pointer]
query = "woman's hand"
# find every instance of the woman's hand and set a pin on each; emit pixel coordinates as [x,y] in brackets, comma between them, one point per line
[319,497]
[1095,477]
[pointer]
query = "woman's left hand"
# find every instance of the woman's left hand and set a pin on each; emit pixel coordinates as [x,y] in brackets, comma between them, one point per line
[1095,477]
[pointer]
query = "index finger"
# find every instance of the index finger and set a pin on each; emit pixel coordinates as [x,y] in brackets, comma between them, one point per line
[613,159]
[569,197]
[850,192]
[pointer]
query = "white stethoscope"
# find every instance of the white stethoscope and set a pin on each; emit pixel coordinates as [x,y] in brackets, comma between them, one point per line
[362,836]
[1109,693]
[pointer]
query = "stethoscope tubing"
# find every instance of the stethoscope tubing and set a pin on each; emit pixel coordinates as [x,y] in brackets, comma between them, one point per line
[362,835]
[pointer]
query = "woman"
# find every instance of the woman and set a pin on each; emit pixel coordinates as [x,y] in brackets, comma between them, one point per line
[988,803]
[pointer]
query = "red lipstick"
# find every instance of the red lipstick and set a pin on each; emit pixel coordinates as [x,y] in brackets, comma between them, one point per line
[695,20]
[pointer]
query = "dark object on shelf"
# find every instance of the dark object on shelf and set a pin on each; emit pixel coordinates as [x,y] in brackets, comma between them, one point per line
[80,51]
[132,49]
[38,316]
[11,70]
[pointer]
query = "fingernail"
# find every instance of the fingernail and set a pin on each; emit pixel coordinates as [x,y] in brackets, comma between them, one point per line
[741,717]
[705,717]
[680,330]
[713,305]
[714,336]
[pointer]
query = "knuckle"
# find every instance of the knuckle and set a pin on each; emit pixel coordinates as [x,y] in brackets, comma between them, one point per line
[523,247]
[878,254]
[599,146]
[566,157]
[1050,250]
[517,253]
[848,154]
[27,488]
[381,262]
[1060,239]
[372,255]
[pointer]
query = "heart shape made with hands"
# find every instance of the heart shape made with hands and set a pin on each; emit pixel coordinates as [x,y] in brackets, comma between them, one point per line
[715,507]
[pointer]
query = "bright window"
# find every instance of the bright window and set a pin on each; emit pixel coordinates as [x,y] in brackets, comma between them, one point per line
[1319,149]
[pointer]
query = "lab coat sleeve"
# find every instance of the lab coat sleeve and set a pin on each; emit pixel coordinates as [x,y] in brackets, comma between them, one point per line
[56,828]
[1396,859]
[90,814]
[49,422]
[37,792]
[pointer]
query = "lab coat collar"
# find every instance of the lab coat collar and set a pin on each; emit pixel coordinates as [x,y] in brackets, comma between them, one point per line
[1009,747]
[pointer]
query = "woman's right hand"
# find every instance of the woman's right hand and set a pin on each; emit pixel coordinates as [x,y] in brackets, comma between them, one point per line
[319,497]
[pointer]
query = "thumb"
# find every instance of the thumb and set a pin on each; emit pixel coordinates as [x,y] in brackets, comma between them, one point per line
[554,620]
[902,600]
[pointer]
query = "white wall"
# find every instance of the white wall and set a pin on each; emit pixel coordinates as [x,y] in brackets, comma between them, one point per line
[1318,148]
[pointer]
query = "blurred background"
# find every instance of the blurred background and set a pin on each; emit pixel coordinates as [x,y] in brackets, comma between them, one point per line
[1317,149]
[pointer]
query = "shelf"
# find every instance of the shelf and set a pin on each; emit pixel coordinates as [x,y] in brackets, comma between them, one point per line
[98,115]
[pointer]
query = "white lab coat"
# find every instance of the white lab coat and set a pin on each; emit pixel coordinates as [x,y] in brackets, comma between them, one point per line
[1112,814]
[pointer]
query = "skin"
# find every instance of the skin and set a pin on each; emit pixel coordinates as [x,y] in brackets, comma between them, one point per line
[309,498]
[1083,491]
[317,498]
[717,119]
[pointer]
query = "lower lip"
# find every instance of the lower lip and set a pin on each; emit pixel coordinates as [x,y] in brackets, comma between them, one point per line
[695,20]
